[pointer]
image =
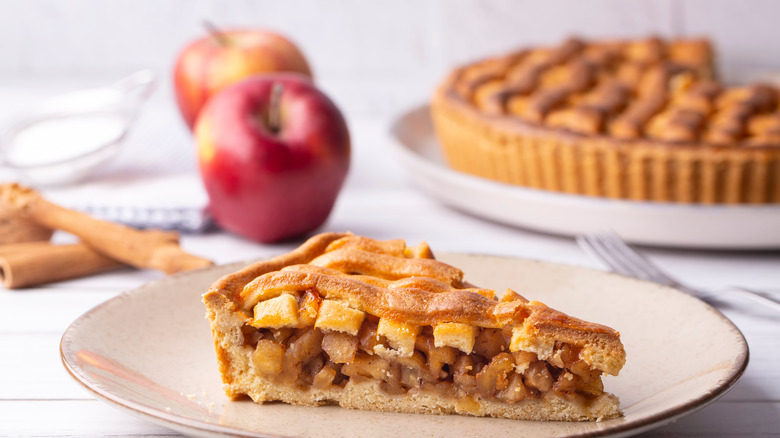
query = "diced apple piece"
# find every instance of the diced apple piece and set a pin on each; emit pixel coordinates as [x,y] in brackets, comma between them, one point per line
[340,347]
[324,378]
[304,348]
[339,317]
[523,359]
[463,365]
[538,376]
[410,378]
[281,311]
[494,376]
[415,361]
[583,370]
[443,355]
[282,334]
[490,342]
[267,357]
[392,383]
[437,356]
[462,375]
[567,382]
[593,387]
[424,342]
[569,354]
[515,391]
[454,334]
[367,366]
[367,338]
[309,308]
[400,335]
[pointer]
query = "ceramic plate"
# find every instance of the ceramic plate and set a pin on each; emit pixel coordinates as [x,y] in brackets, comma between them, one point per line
[149,351]
[651,223]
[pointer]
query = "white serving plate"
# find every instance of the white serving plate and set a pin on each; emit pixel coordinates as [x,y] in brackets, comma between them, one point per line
[650,223]
[149,352]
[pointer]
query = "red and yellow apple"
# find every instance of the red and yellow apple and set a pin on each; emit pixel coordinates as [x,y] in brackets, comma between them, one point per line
[273,152]
[222,58]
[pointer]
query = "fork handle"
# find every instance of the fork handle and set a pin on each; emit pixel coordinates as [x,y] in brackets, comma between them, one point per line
[757,297]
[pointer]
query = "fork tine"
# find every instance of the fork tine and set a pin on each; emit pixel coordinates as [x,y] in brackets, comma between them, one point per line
[592,245]
[621,252]
[642,266]
[622,258]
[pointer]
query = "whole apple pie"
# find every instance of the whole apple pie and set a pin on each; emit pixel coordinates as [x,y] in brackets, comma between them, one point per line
[642,120]
[378,325]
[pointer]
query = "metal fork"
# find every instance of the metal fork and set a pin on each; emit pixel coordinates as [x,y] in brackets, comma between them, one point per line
[623,259]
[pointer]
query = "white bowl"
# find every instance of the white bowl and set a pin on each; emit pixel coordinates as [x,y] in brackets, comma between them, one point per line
[69,136]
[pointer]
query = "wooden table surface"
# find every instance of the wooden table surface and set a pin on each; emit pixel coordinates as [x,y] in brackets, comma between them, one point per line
[39,398]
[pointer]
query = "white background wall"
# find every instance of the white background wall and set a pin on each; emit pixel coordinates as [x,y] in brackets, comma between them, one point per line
[372,56]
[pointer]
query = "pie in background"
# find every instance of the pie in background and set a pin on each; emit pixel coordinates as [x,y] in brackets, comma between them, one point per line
[377,325]
[626,119]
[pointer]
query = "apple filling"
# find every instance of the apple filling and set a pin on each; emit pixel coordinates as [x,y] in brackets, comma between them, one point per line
[301,341]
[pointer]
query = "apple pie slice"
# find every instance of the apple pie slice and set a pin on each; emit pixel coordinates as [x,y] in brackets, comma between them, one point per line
[378,325]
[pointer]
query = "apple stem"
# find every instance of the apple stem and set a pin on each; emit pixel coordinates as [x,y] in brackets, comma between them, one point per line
[216,33]
[274,111]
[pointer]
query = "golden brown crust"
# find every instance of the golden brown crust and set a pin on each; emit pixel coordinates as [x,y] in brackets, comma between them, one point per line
[658,129]
[231,285]
[356,261]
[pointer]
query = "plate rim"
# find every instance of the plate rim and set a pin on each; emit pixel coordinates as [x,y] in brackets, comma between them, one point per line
[411,158]
[182,423]
[137,408]
[399,145]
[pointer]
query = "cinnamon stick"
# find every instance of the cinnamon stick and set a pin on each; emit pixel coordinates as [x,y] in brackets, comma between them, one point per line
[143,249]
[34,263]
[16,229]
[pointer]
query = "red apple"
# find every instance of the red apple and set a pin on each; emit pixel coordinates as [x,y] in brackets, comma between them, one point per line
[222,58]
[272,162]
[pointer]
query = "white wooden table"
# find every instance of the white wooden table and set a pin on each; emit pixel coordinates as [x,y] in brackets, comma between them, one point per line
[38,397]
